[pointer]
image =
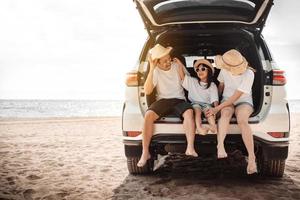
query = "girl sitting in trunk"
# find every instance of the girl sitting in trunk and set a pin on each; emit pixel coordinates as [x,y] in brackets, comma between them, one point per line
[202,92]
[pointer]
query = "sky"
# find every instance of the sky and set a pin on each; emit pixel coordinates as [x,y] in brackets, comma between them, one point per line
[75,49]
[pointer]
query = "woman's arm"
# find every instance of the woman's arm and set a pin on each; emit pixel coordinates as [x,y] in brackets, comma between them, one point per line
[237,94]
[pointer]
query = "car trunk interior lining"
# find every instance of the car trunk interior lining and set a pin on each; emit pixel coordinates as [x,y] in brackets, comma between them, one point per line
[208,45]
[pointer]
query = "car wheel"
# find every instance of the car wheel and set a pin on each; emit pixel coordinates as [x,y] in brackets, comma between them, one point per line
[134,169]
[274,168]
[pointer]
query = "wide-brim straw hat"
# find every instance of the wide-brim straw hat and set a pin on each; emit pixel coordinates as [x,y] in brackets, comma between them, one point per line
[233,61]
[159,51]
[206,62]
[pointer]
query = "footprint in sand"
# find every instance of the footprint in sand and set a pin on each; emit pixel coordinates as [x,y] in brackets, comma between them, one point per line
[104,170]
[33,177]
[11,180]
[59,195]
[28,194]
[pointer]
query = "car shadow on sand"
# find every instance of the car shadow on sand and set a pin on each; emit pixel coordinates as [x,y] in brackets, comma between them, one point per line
[181,177]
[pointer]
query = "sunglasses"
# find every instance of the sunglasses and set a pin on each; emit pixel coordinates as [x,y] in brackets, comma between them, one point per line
[201,67]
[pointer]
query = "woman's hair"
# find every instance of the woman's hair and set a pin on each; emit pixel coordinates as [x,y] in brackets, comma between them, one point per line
[209,76]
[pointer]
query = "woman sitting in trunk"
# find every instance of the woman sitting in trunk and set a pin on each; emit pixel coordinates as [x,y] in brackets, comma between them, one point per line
[236,80]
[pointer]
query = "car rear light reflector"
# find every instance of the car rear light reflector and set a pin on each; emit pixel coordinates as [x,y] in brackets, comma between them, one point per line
[278,77]
[132,79]
[276,134]
[133,133]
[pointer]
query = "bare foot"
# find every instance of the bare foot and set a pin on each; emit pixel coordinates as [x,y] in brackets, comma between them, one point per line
[143,160]
[251,167]
[192,152]
[202,130]
[221,152]
[213,128]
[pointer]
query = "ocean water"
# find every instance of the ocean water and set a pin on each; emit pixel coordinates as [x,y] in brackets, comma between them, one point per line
[73,108]
[59,108]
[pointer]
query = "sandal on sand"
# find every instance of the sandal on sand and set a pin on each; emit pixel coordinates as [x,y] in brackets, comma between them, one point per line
[142,163]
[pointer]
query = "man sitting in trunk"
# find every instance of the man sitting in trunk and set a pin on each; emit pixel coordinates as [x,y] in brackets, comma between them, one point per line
[170,98]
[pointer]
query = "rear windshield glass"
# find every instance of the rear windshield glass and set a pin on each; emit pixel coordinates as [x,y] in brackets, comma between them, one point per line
[203,10]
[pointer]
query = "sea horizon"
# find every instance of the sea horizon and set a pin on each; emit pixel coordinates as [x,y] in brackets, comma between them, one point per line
[52,108]
[42,108]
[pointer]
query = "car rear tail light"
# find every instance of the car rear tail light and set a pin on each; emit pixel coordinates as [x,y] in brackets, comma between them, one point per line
[132,78]
[133,133]
[278,77]
[277,134]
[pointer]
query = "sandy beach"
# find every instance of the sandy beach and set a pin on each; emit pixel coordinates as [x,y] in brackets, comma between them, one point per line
[83,158]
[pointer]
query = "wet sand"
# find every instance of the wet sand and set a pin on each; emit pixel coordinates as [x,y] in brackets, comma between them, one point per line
[83,158]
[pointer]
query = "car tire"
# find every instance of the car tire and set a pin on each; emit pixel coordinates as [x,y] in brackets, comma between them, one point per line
[134,169]
[274,168]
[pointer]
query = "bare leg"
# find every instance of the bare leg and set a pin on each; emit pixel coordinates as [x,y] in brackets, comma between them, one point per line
[212,124]
[189,128]
[243,113]
[150,117]
[226,114]
[201,130]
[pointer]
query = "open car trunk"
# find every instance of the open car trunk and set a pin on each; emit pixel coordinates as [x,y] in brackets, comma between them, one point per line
[191,45]
[159,15]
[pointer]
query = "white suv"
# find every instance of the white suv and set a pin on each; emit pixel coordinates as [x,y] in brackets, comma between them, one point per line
[203,29]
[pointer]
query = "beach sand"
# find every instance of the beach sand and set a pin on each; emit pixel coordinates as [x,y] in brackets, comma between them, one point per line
[83,158]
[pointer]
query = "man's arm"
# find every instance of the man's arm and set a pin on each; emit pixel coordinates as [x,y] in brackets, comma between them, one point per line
[149,86]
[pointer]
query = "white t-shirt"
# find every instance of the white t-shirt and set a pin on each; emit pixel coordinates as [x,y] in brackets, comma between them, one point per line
[168,83]
[241,82]
[198,92]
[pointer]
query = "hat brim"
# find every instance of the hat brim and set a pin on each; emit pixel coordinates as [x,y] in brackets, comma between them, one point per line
[235,70]
[166,52]
[206,62]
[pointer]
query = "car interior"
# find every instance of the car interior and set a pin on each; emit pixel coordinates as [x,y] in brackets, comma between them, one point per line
[188,47]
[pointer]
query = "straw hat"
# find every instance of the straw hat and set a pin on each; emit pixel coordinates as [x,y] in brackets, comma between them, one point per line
[232,61]
[206,62]
[158,51]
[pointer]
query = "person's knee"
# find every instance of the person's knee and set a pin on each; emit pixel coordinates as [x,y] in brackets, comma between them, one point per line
[150,116]
[242,121]
[226,113]
[188,114]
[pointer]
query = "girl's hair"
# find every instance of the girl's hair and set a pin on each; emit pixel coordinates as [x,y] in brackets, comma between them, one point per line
[209,76]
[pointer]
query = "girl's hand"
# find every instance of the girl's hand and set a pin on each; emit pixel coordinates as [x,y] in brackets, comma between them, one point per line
[177,61]
[211,112]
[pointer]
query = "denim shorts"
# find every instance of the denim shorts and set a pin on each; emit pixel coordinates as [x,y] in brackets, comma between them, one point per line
[201,105]
[239,103]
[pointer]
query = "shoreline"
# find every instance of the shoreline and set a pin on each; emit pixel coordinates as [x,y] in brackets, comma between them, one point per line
[17,120]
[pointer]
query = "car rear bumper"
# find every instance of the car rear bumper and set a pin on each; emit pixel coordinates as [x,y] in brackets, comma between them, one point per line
[164,143]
